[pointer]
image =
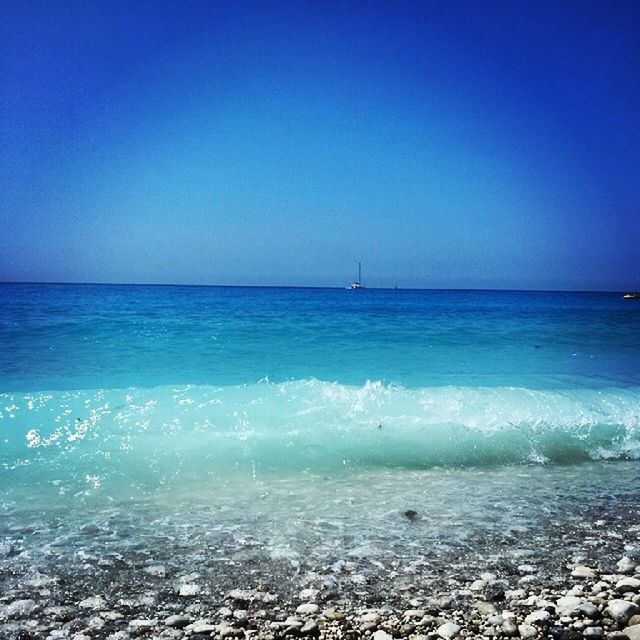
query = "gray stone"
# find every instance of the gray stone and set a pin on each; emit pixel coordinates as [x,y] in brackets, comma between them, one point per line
[527,631]
[593,632]
[334,614]
[371,616]
[628,584]
[93,602]
[414,613]
[19,608]
[633,632]
[309,608]
[189,590]
[583,572]
[486,608]
[568,604]
[537,617]
[622,610]
[177,621]
[589,610]
[526,568]
[448,630]
[626,565]
[381,635]
[242,595]
[142,623]
[202,626]
[227,631]
[158,571]
[509,628]
[292,622]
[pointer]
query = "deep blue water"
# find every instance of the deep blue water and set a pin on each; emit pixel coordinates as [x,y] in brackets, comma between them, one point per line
[113,336]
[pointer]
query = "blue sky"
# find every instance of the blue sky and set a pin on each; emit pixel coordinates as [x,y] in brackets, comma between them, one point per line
[448,144]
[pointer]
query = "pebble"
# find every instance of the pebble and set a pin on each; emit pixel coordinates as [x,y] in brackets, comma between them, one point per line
[308,608]
[225,630]
[628,584]
[583,572]
[189,590]
[509,628]
[19,608]
[633,632]
[242,595]
[93,602]
[202,626]
[309,628]
[626,565]
[593,632]
[334,614]
[526,568]
[568,604]
[142,623]
[617,635]
[370,617]
[382,635]
[414,613]
[536,617]
[448,630]
[589,609]
[158,571]
[177,621]
[527,631]
[621,610]
[485,608]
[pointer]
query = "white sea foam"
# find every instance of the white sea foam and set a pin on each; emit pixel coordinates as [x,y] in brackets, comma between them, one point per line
[315,424]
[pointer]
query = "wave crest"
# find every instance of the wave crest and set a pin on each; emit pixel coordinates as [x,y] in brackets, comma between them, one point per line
[312,424]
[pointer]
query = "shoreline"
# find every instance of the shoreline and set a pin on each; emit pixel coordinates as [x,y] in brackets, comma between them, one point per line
[585,587]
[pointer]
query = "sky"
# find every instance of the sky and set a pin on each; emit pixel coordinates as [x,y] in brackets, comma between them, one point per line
[442,144]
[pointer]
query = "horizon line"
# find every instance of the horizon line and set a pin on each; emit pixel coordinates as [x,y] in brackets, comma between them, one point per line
[270,286]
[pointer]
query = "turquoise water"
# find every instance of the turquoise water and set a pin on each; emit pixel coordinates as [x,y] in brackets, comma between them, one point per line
[293,416]
[149,379]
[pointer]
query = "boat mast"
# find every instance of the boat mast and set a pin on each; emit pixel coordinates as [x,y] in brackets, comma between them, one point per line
[359,272]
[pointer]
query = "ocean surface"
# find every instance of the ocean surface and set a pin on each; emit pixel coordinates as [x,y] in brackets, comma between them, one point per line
[304,422]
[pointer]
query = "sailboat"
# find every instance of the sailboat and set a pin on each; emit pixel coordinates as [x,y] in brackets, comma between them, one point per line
[358,283]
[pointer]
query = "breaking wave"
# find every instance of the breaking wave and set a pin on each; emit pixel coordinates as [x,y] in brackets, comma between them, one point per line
[311,425]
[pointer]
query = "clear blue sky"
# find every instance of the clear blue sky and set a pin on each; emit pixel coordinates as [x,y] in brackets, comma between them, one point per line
[443,144]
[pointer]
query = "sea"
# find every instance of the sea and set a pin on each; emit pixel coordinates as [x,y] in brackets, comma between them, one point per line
[272,438]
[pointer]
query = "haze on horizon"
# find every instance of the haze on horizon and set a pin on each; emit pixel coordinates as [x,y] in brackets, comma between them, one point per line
[444,145]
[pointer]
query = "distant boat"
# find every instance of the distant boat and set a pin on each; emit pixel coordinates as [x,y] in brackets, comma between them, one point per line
[358,283]
[631,296]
